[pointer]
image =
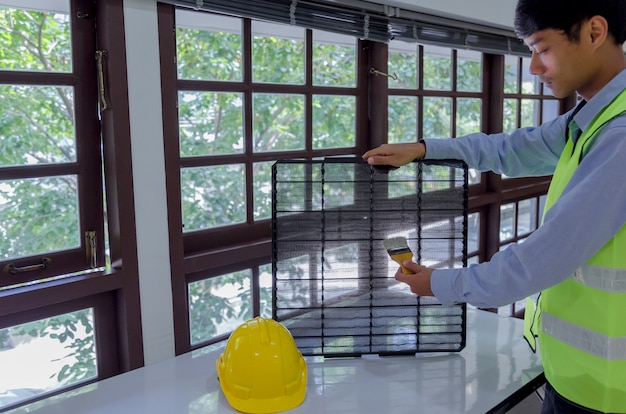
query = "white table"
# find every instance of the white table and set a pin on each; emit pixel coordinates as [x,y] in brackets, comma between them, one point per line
[495,371]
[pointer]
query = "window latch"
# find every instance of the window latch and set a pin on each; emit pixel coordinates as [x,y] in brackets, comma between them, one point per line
[90,248]
[100,55]
[11,269]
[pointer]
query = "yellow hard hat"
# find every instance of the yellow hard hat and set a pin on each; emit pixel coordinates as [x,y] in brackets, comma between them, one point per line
[261,370]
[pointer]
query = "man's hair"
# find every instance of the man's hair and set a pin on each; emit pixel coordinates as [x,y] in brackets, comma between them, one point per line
[568,15]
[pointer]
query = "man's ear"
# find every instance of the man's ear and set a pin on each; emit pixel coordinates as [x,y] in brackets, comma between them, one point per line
[598,29]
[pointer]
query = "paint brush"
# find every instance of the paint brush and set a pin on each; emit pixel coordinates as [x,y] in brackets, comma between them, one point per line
[399,251]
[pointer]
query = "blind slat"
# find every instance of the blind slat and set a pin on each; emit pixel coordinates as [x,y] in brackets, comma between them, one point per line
[362,23]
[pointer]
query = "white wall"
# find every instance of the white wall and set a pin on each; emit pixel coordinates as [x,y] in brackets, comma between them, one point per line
[146,132]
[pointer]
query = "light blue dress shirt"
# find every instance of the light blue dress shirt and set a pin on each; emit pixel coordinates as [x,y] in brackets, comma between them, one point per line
[590,211]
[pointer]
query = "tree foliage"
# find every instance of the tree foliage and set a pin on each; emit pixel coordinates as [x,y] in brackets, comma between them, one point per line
[36,127]
[38,215]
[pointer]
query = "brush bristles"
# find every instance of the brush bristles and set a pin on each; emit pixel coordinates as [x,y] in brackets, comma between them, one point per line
[396,244]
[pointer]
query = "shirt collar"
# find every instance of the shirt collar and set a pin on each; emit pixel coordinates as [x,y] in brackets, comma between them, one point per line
[600,100]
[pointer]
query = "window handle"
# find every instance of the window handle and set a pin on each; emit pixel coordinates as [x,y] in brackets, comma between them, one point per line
[11,269]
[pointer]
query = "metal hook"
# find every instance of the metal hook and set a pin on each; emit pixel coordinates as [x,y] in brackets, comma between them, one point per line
[375,71]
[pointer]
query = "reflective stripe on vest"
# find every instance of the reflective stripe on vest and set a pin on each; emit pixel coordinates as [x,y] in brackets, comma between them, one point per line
[586,340]
[602,278]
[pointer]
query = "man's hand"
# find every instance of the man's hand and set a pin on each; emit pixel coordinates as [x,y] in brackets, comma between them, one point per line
[419,281]
[395,154]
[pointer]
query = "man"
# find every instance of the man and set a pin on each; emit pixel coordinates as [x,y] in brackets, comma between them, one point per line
[577,257]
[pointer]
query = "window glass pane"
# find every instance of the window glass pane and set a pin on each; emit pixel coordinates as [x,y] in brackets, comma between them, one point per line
[265,287]
[278,122]
[530,112]
[403,62]
[208,46]
[210,123]
[38,215]
[437,117]
[437,68]
[473,232]
[530,83]
[333,121]
[469,71]
[507,218]
[542,205]
[550,109]
[468,116]
[402,119]
[262,176]
[213,196]
[527,216]
[334,59]
[510,74]
[277,53]
[45,355]
[468,121]
[36,40]
[44,114]
[218,305]
[510,115]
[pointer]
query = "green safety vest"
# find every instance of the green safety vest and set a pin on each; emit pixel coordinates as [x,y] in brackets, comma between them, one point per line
[582,327]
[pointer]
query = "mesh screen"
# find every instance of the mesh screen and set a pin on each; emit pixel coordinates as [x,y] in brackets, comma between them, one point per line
[333,281]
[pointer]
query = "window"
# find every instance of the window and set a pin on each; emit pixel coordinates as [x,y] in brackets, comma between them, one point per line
[245,93]
[270,92]
[445,100]
[50,190]
[64,282]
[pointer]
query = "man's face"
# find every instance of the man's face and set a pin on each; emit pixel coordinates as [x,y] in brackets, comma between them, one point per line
[562,65]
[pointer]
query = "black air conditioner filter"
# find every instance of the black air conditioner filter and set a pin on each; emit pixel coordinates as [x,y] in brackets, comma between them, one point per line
[333,281]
